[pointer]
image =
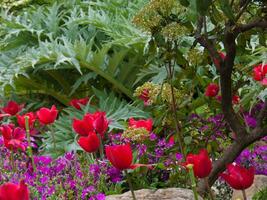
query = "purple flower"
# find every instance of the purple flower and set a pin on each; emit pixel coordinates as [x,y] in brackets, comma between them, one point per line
[141,150]
[114,175]
[99,196]
[153,136]
[179,156]
[250,121]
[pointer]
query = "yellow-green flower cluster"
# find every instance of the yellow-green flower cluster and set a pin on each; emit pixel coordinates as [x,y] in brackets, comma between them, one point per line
[152,91]
[151,16]
[13,3]
[136,134]
[194,56]
[174,30]
[166,93]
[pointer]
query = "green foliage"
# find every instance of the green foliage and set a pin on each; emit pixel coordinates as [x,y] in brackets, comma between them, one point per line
[262,194]
[75,38]
[117,111]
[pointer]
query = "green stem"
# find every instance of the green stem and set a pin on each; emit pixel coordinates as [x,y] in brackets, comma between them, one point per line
[130,184]
[244,195]
[174,109]
[96,159]
[12,161]
[193,180]
[101,151]
[209,189]
[29,142]
[53,138]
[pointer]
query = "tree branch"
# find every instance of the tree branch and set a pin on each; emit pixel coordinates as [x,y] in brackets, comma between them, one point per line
[259,23]
[262,115]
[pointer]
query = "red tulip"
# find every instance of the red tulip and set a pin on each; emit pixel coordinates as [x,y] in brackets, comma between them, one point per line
[89,143]
[216,61]
[13,137]
[46,115]
[147,124]
[12,108]
[259,72]
[239,177]
[201,163]
[21,119]
[121,157]
[212,90]
[11,191]
[76,103]
[84,126]
[100,123]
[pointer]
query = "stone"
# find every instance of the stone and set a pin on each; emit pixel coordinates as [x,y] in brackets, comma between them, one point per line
[260,182]
[160,194]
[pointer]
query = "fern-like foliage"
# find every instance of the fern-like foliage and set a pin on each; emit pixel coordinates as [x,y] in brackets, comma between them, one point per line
[49,49]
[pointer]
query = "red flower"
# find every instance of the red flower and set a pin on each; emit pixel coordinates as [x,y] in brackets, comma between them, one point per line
[235,99]
[12,108]
[21,119]
[147,124]
[145,97]
[216,62]
[13,137]
[76,103]
[171,140]
[121,157]
[11,191]
[100,123]
[89,143]
[239,177]
[84,126]
[259,72]
[201,163]
[46,115]
[212,90]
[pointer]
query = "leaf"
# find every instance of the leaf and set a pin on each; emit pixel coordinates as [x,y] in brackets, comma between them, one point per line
[187,140]
[184,3]
[226,8]
[202,6]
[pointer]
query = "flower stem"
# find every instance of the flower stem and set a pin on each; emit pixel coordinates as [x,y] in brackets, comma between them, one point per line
[244,195]
[130,184]
[101,146]
[209,189]
[53,137]
[27,126]
[170,70]
[12,161]
[193,180]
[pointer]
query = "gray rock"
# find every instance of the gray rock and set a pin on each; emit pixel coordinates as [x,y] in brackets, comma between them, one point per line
[260,182]
[160,194]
